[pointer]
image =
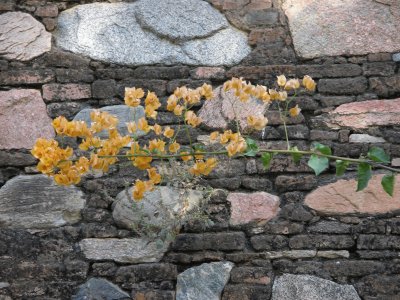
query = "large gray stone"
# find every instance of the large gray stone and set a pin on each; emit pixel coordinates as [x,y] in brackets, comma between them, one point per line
[134,250]
[159,208]
[306,287]
[124,114]
[99,288]
[204,282]
[35,201]
[343,27]
[22,37]
[151,32]
[180,19]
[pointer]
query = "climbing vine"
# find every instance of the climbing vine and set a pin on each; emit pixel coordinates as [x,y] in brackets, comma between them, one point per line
[98,153]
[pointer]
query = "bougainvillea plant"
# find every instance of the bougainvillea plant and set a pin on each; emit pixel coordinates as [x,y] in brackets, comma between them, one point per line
[100,153]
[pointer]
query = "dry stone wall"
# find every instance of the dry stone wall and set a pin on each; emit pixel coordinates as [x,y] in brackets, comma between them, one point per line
[277,234]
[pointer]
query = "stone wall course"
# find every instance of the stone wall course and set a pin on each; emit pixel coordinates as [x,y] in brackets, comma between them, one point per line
[357,249]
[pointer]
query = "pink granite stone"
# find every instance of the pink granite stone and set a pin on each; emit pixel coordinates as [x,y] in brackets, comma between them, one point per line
[341,198]
[22,37]
[343,27]
[23,119]
[364,114]
[254,207]
[222,109]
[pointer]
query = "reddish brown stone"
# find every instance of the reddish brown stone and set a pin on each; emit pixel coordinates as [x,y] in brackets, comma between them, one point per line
[50,23]
[63,92]
[341,198]
[268,35]
[208,73]
[50,10]
[17,77]
[23,119]
[258,207]
[364,114]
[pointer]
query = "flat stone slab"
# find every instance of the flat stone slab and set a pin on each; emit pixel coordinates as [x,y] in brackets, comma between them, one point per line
[343,27]
[306,287]
[224,107]
[124,113]
[152,32]
[254,207]
[135,250]
[204,282]
[160,208]
[22,37]
[341,198]
[361,115]
[99,288]
[19,109]
[35,201]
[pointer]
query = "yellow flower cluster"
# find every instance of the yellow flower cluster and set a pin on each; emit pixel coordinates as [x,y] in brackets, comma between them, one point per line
[101,153]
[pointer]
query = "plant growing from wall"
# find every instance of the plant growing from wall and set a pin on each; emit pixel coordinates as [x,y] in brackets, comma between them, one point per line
[101,153]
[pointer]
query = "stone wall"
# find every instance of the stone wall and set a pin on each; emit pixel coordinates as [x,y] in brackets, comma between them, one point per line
[281,234]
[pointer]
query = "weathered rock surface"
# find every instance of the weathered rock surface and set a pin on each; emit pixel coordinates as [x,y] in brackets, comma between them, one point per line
[19,109]
[204,282]
[35,201]
[124,114]
[363,114]
[306,287]
[340,198]
[160,208]
[164,32]
[338,27]
[133,250]
[22,37]
[222,109]
[254,207]
[365,138]
[99,288]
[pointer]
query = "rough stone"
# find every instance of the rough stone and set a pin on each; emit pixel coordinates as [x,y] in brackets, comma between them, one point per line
[341,198]
[160,208]
[35,201]
[99,288]
[19,110]
[385,86]
[254,207]
[343,27]
[98,31]
[133,250]
[26,77]
[204,282]
[22,37]
[364,114]
[124,114]
[306,287]
[63,92]
[343,86]
[219,111]
[365,138]
[225,241]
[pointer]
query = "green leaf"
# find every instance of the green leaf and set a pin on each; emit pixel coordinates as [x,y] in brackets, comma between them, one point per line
[296,156]
[364,174]
[341,166]
[322,148]
[318,164]
[378,154]
[388,183]
[266,159]
[252,147]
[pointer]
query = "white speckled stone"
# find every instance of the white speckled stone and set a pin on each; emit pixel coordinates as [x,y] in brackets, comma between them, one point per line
[151,32]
